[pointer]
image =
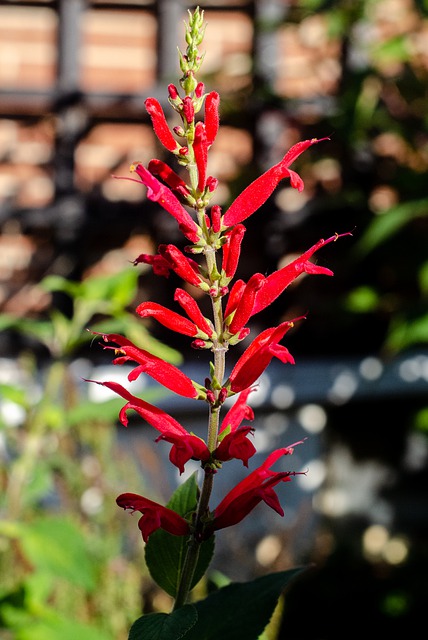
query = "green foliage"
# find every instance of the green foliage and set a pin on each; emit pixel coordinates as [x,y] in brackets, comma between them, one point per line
[99,304]
[63,573]
[165,553]
[239,610]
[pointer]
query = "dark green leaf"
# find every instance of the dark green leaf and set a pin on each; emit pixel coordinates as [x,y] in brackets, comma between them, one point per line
[165,553]
[164,626]
[240,610]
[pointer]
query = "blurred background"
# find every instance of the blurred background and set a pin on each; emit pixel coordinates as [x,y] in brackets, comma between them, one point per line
[74,75]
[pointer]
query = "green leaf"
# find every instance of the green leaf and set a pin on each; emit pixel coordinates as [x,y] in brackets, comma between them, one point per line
[57,546]
[240,610]
[165,553]
[164,626]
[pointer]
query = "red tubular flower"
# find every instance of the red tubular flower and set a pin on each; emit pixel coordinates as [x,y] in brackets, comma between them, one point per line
[235,445]
[233,438]
[258,355]
[200,148]
[239,411]
[185,445]
[190,306]
[160,124]
[188,109]
[183,267]
[169,319]
[212,120]
[161,267]
[279,280]
[232,250]
[171,179]
[246,303]
[216,217]
[163,372]
[155,516]
[256,487]
[259,191]
[158,192]
[234,297]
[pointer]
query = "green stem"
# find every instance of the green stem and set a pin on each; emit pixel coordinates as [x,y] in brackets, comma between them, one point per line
[194,544]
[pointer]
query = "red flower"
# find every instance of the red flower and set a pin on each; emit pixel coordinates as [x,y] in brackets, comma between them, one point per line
[170,319]
[161,267]
[190,306]
[183,267]
[279,280]
[232,249]
[258,355]
[158,192]
[200,148]
[160,124]
[247,494]
[236,445]
[259,191]
[154,517]
[188,109]
[233,438]
[163,372]
[234,297]
[245,305]
[212,102]
[167,175]
[216,217]
[185,445]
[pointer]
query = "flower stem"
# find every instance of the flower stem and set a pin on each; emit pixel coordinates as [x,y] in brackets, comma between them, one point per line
[194,544]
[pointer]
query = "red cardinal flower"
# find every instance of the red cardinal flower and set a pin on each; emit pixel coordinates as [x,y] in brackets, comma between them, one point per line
[259,191]
[258,355]
[163,372]
[154,517]
[160,124]
[256,487]
[185,445]
[279,280]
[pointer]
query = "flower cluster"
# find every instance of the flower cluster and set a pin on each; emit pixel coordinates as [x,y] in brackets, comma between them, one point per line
[209,263]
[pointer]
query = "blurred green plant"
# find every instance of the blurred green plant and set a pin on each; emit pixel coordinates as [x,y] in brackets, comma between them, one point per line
[64,573]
